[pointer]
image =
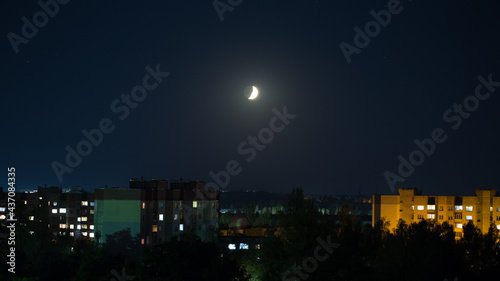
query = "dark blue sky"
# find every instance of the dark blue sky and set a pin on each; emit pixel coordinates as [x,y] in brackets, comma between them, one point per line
[353,119]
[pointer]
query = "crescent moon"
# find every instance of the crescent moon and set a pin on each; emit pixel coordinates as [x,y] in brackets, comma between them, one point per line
[254,94]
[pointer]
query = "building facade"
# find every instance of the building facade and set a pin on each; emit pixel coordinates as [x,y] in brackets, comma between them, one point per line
[411,206]
[116,209]
[167,212]
[50,210]
[152,210]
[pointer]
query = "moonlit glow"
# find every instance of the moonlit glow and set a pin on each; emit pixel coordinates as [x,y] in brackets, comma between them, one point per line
[254,94]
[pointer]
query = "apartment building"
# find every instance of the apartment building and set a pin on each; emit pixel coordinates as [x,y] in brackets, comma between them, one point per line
[151,209]
[116,209]
[156,212]
[411,206]
[62,213]
[167,212]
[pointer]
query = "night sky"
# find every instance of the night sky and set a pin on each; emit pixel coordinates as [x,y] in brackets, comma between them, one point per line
[352,120]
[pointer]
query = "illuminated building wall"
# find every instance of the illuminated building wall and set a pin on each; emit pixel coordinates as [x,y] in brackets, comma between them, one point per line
[116,210]
[411,206]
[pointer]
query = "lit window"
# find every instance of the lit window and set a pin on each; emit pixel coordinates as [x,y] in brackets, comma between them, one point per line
[31,218]
[176,217]
[160,217]
[468,208]
[257,246]
[91,212]
[195,204]
[243,246]
[458,208]
[2,209]
[420,207]
[498,226]
[55,204]
[71,226]
[85,203]
[155,228]
[231,246]
[498,209]
[78,227]
[78,219]
[92,204]
[459,225]
[469,218]
[84,218]
[91,235]
[143,205]
[181,227]
[413,208]
[142,241]
[431,216]
[48,203]
[40,197]
[84,233]
[91,227]
[84,226]
[71,234]
[2,217]
[62,210]
[54,211]
[491,209]
[25,202]
[431,207]
[62,225]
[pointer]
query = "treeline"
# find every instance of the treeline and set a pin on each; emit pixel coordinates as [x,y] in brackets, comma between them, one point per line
[185,257]
[312,246]
[308,245]
[252,216]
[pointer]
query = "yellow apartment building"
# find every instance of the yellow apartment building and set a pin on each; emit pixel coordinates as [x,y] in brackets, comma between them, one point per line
[411,206]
